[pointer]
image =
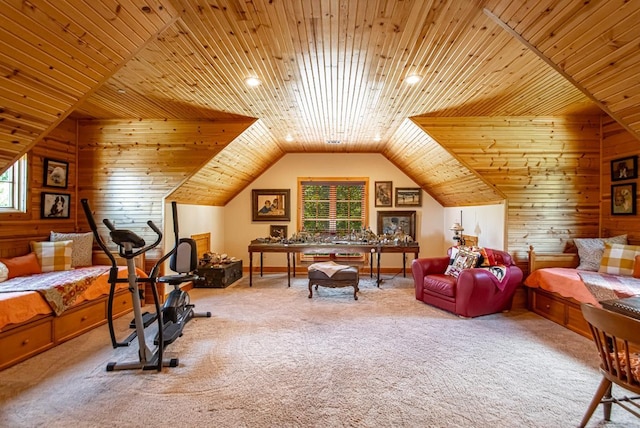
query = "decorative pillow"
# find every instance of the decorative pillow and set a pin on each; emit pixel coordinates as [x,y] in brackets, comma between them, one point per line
[4,272]
[53,256]
[22,265]
[618,259]
[465,259]
[590,250]
[487,258]
[82,246]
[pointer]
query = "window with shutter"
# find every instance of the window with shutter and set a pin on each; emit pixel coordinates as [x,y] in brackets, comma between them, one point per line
[333,208]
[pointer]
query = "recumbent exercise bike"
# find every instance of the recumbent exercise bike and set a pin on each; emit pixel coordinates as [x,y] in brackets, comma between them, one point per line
[177,309]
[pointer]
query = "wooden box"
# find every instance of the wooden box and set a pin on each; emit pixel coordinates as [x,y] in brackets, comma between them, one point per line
[218,275]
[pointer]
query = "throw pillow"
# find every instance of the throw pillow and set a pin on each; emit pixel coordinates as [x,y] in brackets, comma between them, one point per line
[590,250]
[53,256]
[636,267]
[487,259]
[619,259]
[22,265]
[4,272]
[464,260]
[82,247]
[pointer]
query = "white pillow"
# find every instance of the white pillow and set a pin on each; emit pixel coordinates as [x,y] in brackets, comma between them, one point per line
[4,272]
[82,246]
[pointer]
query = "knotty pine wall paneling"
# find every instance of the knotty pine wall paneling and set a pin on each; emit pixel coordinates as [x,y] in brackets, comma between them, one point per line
[617,143]
[128,167]
[17,229]
[547,167]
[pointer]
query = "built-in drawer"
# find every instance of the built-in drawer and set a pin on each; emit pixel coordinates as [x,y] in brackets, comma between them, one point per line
[122,303]
[576,321]
[78,321]
[549,307]
[25,342]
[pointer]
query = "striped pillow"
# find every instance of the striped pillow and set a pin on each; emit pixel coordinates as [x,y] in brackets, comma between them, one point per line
[618,259]
[53,256]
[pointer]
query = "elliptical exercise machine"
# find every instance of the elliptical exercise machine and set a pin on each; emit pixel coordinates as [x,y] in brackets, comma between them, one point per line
[177,310]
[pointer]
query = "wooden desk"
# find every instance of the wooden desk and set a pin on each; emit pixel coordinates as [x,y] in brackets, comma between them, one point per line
[331,248]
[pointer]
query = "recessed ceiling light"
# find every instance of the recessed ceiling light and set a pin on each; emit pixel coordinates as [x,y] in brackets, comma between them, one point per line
[252,81]
[122,91]
[377,138]
[289,138]
[413,79]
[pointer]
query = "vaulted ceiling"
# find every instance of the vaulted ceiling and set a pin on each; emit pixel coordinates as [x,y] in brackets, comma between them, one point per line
[333,75]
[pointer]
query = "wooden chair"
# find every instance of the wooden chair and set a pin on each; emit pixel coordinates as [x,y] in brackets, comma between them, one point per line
[617,338]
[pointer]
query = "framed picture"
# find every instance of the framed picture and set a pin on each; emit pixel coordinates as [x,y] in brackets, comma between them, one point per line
[408,197]
[383,192]
[54,205]
[623,199]
[56,173]
[278,231]
[624,168]
[270,204]
[392,222]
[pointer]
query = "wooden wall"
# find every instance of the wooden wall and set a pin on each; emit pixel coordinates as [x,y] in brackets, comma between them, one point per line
[617,143]
[547,167]
[126,168]
[17,229]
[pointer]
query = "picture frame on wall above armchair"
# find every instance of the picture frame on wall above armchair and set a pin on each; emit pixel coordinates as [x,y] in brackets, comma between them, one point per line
[392,222]
[270,204]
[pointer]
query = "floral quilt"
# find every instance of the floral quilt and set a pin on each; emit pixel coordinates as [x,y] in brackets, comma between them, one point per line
[60,289]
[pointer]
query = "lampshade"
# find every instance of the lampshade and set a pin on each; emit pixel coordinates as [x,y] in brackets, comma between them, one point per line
[456,227]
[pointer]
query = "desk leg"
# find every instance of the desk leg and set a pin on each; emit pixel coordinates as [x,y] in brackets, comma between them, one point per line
[371,267]
[261,265]
[404,265]
[288,271]
[293,257]
[378,281]
[250,269]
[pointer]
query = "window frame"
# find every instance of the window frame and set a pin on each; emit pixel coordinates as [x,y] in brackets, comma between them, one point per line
[20,186]
[348,258]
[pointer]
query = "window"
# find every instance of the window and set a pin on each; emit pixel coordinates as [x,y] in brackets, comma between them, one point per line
[13,187]
[333,208]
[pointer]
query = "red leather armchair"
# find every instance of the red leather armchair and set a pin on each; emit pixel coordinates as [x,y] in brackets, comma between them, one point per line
[473,293]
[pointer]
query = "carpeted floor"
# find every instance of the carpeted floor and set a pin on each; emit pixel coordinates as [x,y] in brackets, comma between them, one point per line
[271,357]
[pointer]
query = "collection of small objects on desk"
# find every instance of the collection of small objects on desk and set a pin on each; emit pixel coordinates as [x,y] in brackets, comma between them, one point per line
[362,236]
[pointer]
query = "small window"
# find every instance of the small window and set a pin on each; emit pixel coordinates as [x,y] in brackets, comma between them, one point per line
[13,187]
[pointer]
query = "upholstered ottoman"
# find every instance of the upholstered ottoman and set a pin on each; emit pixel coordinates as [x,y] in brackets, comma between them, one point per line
[336,276]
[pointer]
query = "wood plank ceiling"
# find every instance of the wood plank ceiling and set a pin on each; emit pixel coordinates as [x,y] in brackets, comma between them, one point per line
[331,70]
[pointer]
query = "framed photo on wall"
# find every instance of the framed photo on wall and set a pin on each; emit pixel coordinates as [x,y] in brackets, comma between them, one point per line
[56,173]
[623,199]
[408,197]
[54,205]
[270,204]
[391,222]
[624,168]
[278,231]
[383,192]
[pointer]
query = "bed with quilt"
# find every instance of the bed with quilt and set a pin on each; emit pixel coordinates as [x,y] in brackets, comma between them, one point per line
[602,269]
[54,293]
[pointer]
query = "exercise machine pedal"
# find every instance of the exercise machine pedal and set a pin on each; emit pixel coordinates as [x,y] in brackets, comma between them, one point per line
[170,332]
[148,318]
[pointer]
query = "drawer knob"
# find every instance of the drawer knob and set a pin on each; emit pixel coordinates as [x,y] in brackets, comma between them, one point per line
[548,307]
[25,342]
[84,318]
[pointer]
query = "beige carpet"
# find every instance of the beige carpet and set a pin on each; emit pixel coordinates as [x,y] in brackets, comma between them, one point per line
[271,357]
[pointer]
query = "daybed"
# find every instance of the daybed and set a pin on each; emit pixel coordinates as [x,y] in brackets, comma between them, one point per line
[603,268]
[31,323]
